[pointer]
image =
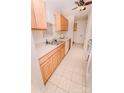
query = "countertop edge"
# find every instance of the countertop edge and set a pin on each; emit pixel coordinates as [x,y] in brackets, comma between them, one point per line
[39,58]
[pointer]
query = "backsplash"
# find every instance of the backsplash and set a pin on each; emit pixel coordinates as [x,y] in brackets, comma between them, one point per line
[37,36]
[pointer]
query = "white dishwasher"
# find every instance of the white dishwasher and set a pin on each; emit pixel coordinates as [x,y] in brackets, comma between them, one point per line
[66,46]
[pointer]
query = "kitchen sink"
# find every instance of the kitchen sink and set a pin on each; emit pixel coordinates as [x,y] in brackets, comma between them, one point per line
[56,43]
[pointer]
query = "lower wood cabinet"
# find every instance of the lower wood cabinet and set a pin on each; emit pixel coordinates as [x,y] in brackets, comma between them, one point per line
[59,54]
[51,69]
[45,69]
[61,22]
[55,60]
[62,52]
[49,63]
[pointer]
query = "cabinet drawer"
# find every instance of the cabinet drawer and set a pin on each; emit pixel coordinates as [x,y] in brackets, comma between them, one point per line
[43,59]
[47,56]
[53,52]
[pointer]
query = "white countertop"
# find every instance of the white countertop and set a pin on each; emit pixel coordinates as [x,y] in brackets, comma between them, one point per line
[65,39]
[43,50]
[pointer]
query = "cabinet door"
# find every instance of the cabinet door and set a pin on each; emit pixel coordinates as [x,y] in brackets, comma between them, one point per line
[63,51]
[51,69]
[33,20]
[64,23]
[55,60]
[59,55]
[61,22]
[39,14]
[45,69]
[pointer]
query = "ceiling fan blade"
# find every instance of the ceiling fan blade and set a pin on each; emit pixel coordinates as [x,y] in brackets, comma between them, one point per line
[81,2]
[74,8]
[77,3]
[87,3]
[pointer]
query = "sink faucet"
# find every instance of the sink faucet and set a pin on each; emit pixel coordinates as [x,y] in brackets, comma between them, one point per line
[47,41]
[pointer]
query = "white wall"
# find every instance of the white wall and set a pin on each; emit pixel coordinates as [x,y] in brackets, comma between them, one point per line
[50,16]
[37,85]
[80,33]
[37,36]
[88,34]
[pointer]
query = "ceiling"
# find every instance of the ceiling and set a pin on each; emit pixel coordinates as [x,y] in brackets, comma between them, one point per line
[65,7]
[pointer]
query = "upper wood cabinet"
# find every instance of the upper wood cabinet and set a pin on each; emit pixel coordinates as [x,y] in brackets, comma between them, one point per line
[75,27]
[38,15]
[33,20]
[61,22]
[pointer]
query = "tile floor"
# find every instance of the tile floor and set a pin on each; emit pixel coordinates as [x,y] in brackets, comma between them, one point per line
[69,76]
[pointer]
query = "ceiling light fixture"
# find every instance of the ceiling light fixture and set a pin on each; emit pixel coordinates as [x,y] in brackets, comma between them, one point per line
[81,8]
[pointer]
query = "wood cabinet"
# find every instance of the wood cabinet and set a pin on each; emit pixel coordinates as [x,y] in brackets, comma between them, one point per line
[75,27]
[45,68]
[55,60]
[38,15]
[62,51]
[61,22]
[33,20]
[59,54]
[64,23]
[49,62]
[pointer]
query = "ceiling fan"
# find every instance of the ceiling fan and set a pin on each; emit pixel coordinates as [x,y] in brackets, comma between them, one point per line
[81,5]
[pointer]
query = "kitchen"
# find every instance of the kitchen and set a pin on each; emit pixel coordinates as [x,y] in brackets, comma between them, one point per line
[60,39]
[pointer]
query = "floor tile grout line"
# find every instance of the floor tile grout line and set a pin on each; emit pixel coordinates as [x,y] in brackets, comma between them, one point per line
[59,87]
